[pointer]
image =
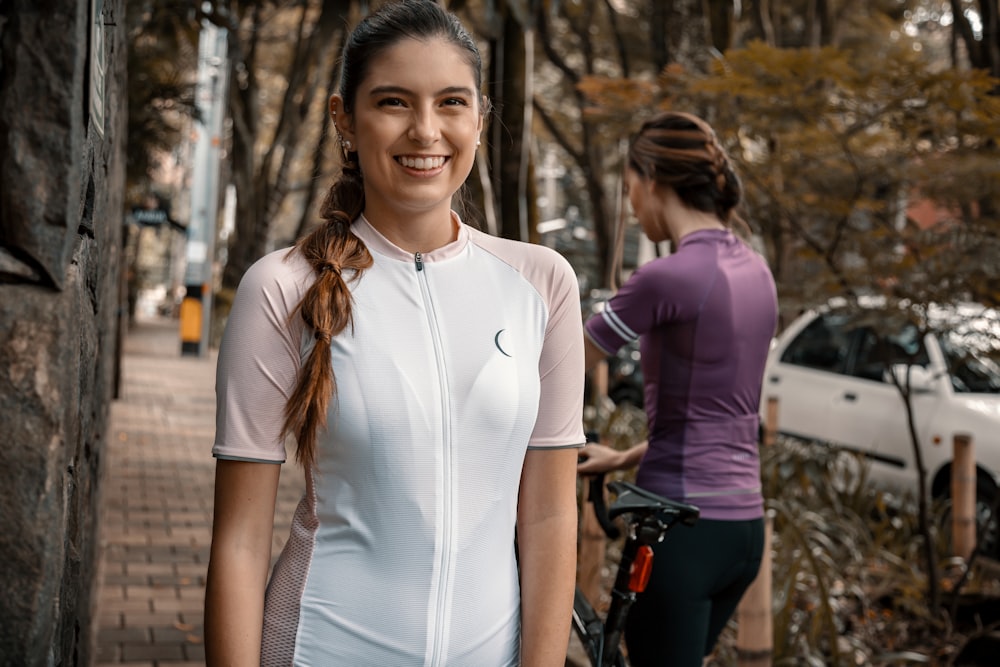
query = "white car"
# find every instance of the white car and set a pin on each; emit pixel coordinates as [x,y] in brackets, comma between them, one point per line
[829,371]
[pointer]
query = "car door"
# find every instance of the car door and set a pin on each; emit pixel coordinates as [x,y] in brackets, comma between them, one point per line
[868,413]
[806,375]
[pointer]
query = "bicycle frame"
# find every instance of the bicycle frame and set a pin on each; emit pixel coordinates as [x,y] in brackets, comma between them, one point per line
[648,518]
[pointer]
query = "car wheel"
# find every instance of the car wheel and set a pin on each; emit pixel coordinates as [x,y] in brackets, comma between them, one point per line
[988,526]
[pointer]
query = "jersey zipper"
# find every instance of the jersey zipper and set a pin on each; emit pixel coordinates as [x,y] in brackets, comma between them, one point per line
[436,656]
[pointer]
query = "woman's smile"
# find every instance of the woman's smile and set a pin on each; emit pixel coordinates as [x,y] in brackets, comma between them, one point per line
[423,163]
[415,130]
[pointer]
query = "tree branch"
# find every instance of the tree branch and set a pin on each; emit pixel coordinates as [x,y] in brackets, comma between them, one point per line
[557,133]
[961,23]
[618,38]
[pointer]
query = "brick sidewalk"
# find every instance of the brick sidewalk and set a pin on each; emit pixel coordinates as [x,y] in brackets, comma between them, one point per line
[156,504]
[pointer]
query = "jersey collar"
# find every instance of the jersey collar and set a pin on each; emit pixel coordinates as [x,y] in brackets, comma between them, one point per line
[375,242]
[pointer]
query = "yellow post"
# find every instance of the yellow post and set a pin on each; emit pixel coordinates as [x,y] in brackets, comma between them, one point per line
[754,630]
[190,323]
[963,496]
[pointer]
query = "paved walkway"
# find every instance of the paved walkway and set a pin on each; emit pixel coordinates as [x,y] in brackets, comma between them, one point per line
[156,504]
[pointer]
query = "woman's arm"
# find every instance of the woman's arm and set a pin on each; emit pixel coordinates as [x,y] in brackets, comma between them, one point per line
[601,458]
[245,495]
[592,354]
[546,537]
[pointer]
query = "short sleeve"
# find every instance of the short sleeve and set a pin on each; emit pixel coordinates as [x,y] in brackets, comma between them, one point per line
[561,366]
[259,358]
[631,312]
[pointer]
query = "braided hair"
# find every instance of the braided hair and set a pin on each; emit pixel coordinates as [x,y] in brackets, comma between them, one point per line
[681,151]
[336,255]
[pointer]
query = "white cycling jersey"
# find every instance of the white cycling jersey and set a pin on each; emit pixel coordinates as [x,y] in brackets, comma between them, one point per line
[401,551]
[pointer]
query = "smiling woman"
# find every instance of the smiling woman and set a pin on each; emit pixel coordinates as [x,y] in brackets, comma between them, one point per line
[432,377]
[419,129]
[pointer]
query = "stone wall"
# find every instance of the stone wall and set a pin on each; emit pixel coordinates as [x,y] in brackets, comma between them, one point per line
[62,136]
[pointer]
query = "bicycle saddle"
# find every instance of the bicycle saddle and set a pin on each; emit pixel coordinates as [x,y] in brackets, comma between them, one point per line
[630,498]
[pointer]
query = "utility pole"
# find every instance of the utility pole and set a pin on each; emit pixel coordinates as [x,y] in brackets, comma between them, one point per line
[199,279]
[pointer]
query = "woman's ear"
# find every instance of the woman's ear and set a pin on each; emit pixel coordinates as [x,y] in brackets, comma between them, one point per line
[343,121]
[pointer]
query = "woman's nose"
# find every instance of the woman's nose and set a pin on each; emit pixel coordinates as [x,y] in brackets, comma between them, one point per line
[424,129]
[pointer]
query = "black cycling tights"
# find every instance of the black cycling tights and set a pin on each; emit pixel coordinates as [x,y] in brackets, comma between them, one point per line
[699,575]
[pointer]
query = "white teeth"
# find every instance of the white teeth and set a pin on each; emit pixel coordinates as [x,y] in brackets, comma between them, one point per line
[421,162]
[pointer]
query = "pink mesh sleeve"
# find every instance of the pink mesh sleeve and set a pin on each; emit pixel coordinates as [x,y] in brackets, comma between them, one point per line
[259,358]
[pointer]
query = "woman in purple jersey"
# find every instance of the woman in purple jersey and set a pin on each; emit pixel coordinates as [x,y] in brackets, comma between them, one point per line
[704,316]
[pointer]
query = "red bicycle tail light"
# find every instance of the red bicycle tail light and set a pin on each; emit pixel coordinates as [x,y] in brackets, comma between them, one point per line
[642,566]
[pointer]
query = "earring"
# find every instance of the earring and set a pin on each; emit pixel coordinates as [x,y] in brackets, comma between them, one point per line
[479,142]
[333,114]
[346,143]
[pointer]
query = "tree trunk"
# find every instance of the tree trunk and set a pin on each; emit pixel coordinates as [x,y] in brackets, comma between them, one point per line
[985,53]
[262,184]
[719,14]
[512,148]
[332,30]
[763,23]
[658,15]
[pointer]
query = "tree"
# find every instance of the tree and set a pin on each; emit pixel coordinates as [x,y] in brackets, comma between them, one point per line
[578,40]
[512,62]
[287,46]
[502,178]
[162,59]
[983,44]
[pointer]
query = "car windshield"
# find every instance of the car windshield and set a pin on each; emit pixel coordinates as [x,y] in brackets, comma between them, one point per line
[970,372]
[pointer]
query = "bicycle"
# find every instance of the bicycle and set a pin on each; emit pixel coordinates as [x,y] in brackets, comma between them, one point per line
[648,517]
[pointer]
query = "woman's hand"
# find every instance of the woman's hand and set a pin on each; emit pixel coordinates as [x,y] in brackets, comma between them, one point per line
[596,458]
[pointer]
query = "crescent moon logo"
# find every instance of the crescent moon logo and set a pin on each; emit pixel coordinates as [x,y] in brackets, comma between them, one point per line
[496,341]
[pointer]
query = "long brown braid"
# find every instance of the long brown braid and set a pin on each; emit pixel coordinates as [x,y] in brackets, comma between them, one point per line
[326,307]
[337,256]
[681,151]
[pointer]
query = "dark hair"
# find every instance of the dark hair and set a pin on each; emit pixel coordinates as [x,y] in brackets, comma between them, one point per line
[332,249]
[681,151]
[409,19]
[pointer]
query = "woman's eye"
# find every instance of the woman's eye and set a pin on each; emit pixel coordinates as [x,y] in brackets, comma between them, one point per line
[456,101]
[390,102]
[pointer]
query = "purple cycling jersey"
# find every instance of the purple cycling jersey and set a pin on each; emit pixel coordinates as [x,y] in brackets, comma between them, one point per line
[705,316]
